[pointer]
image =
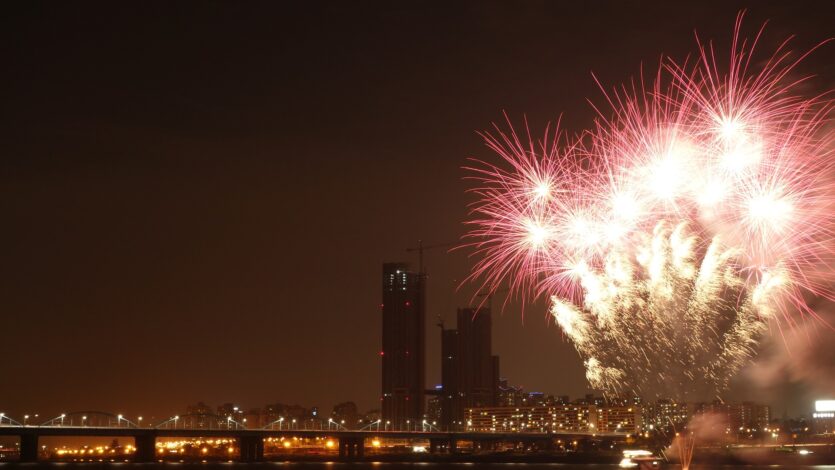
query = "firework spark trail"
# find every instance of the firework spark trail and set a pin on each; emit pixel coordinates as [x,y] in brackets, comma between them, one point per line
[673,232]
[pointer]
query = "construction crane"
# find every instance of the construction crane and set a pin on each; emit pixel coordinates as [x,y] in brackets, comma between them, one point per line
[489,294]
[420,248]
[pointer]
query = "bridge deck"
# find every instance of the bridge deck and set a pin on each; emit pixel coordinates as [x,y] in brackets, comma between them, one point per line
[198,432]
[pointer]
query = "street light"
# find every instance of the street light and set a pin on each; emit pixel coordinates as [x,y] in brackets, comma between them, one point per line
[280,423]
[140,421]
[83,419]
[63,415]
[25,419]
[370,426]
[176,418]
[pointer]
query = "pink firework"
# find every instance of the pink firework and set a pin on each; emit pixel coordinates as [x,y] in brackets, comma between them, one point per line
[713,185]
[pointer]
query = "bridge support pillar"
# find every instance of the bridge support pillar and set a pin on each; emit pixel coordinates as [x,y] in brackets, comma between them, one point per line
[145,447]
[485,445]
[443,445]
[351,448]
[252,448]
[29,448]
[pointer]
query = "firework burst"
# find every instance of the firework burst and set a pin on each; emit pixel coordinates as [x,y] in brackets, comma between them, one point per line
[670,235]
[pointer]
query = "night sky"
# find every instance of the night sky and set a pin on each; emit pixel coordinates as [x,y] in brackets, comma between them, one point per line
[197,197]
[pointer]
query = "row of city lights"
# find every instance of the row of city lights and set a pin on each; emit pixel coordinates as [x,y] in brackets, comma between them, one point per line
[205,446]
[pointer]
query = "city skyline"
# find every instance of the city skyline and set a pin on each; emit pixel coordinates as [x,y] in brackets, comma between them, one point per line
[346,416]
[190,218]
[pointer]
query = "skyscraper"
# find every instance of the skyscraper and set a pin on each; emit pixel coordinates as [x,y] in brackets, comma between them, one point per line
[469,371]
[403,353]
[475,329]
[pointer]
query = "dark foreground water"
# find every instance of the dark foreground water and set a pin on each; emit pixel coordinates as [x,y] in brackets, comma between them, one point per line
[378,466]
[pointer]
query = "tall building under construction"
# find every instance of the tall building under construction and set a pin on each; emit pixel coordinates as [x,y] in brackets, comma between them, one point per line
[469,370]
[404,342]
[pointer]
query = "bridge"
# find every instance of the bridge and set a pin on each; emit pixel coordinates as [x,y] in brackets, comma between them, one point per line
[351,443]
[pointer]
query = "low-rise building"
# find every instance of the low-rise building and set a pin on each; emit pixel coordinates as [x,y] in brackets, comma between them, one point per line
[617,418]
[823,419]
[529,418]
[666,412]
